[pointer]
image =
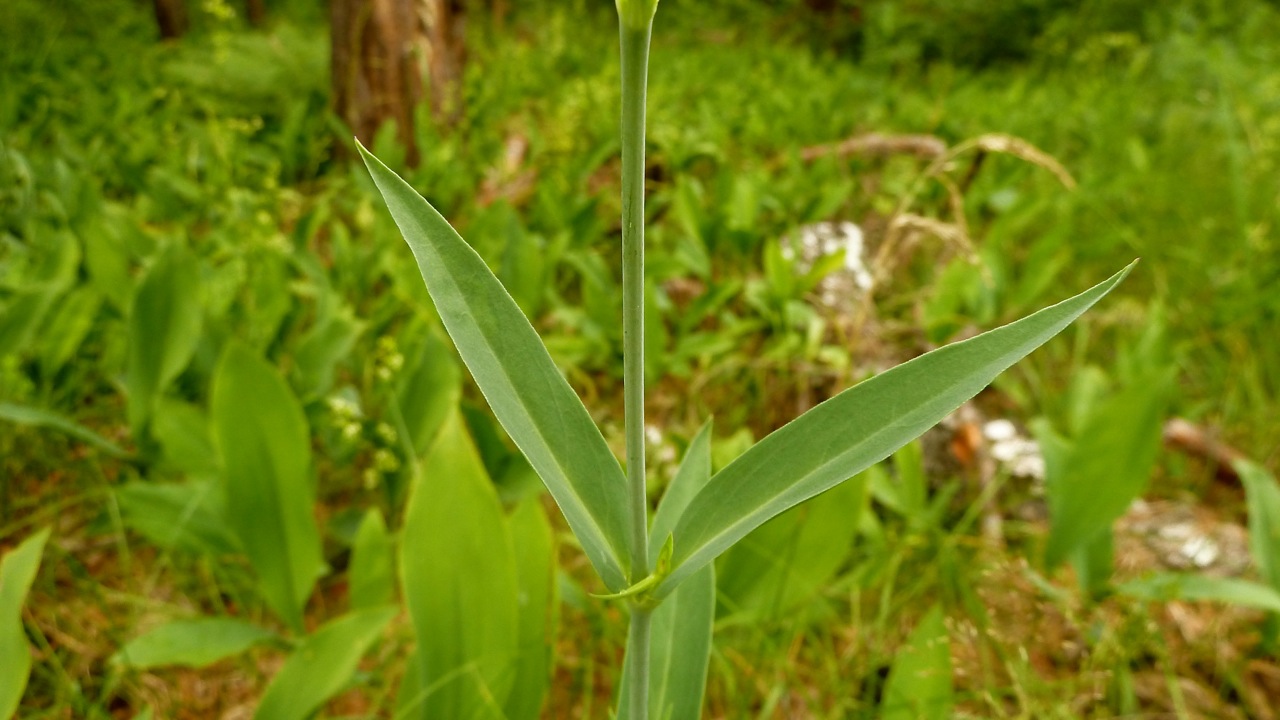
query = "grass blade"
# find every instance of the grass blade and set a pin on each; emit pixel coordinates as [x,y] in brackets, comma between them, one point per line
[265,445]
[528,394]
[854,430]
[17,572]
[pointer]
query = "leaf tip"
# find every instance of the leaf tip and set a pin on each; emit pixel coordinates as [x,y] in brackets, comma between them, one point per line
[664,556]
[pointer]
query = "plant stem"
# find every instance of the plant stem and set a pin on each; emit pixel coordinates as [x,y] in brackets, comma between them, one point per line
[635,57]
[635,70]
[637,650]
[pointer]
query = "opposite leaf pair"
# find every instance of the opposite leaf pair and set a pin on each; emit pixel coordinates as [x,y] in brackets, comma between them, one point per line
[822,448]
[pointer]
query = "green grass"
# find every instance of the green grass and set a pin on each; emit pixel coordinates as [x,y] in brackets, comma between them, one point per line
[113,146]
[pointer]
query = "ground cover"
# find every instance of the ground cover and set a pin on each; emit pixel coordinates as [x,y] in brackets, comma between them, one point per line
[178,197]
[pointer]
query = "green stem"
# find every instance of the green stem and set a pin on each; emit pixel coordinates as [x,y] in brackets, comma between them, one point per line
[635,57]
[635,70]
[637,650]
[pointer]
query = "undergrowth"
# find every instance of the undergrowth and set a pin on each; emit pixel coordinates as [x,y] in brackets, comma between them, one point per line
[113,146]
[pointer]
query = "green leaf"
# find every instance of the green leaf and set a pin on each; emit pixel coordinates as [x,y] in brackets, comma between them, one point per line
[459,577]
[268,290]
[322,665]
[107,259]
[680,651]
[323,347]
[691,476]
[372,575]
[1094,563]
[681,628]
[1164,587]
[190,516]
[528,394]
[535,563]
[39,417]
[913,485]
[191,643]
[412,693]
[164,328]
[1105,468]
[265,446]
[22,318]
[854,430]
[182,429]
[428,391]
[67,328]
[1263,494]
[17,572]
[788,560]
[681,648]
[919,684]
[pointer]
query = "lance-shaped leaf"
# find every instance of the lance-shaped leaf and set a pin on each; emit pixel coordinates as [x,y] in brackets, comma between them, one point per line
[17,571]
[680,651]
[787,561]
[190,516]
[428,390]
[322,665]
[460,583]
[1103,471]
[691,476]
[39,417]
[528,394]
[683,623]
[164,328]
[193,643]
[324,346]
[265,445]
[1263,494]
[919,684]
[854,430]
[1166,587]
[535,562]
[371,578]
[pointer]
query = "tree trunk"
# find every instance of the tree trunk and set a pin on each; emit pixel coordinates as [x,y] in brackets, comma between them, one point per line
[171,16]
[390,55]
[445,55]
[256,12]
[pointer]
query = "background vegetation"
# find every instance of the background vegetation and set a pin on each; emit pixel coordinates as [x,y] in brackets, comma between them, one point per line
[162,201]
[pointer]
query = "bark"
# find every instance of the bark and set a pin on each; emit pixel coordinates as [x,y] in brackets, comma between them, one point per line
[390,55]
[445,56]
[171,17]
